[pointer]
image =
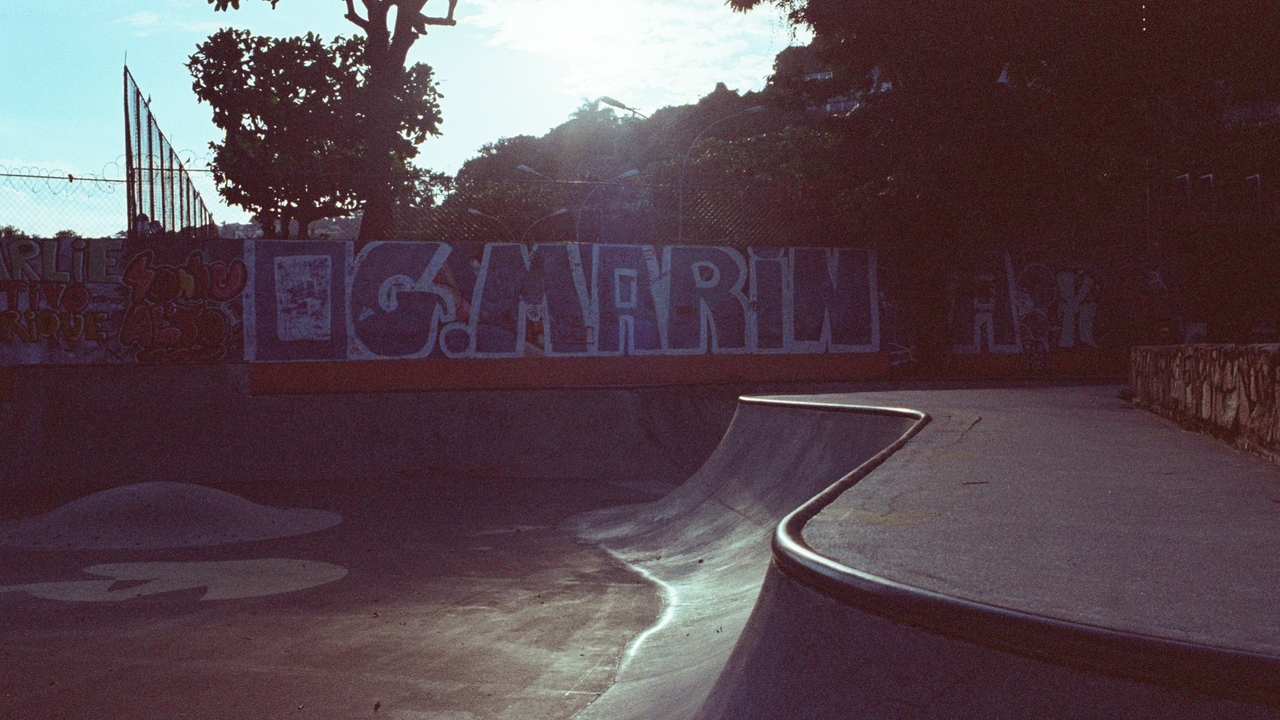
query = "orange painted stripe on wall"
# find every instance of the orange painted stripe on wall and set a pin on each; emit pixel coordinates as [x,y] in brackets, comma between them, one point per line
[527,373]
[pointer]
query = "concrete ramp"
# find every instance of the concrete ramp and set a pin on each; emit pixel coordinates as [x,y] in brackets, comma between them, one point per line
[706,545]
[1018,553]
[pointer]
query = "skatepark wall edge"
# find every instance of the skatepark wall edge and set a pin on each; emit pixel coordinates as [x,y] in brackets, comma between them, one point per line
[1230,391]
[90,428]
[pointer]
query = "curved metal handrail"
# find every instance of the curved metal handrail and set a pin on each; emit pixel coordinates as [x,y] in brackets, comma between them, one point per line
[1228,673]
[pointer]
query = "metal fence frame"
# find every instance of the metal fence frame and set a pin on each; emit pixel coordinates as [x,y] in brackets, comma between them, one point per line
[159,186]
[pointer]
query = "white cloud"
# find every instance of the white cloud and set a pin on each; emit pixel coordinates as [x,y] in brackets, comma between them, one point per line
[143,19]
[147,23]
[648,53]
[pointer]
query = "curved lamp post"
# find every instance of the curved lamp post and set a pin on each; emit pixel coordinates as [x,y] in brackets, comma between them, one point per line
[685,165]
[577,224]
[557,213]
[503,225]
[531,171]
[614,103]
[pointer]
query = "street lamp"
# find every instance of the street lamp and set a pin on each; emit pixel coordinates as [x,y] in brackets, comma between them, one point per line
[614,103]
[685,165]
[503,225]
[557,213]
[531,171]
[577,224]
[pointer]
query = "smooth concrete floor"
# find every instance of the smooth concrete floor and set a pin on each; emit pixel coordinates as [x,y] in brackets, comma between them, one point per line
[461,600]
[1070,503]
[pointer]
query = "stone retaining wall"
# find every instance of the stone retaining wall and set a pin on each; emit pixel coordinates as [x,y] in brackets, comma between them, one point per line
[1231,391]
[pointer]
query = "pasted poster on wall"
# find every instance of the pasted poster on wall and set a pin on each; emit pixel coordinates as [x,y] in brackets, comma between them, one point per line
[316,300]
[104,300]
[297,306]
[303,308]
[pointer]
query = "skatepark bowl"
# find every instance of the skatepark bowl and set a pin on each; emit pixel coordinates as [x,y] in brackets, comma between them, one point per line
[1019,552]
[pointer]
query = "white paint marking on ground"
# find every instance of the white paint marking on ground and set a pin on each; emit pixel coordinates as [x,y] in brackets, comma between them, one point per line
[224,580]
[574,690]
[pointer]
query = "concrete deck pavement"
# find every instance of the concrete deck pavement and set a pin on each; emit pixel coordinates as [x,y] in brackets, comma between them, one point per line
[458,597]
[1046,553]
[1072,504]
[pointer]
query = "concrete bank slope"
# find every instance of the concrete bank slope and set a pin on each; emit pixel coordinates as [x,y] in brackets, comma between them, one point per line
[85,429]
[1028,553]
[706,545]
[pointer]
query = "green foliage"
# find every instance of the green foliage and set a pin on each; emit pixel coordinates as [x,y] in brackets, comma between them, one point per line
[387,91]
[985,124]
[9,232]
[593,145]
[589,153]
[233,4]
[295,113]
[1007,118]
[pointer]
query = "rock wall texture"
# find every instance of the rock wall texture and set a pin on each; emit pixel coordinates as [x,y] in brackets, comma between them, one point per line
[1231,391]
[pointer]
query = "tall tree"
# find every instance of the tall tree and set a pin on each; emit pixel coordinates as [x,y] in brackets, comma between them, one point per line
[291,110]
[386,49]
[289,150]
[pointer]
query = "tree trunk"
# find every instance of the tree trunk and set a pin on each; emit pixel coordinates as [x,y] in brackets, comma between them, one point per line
[268,225]
[386,67]
[386,54]
[379,190]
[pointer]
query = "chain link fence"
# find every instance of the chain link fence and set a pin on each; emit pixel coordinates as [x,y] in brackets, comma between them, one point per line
[161,197]
[631,212]
[42,203]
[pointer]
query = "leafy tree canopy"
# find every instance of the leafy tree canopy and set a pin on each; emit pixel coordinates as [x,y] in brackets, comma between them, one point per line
[978,124]
[295,117]
[383,98]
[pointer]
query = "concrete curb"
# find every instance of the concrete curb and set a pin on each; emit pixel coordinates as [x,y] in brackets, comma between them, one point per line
[1231,674]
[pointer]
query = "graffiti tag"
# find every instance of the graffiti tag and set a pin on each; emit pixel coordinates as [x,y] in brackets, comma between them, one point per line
[174,314]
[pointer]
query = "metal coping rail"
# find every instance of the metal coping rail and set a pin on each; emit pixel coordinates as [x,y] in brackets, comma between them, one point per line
[1239,675]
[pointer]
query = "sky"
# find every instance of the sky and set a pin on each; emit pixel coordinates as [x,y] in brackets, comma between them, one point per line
[509,67]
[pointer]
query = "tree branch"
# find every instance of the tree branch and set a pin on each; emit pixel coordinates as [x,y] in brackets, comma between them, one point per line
[447,20]
[355,18]
[409,26]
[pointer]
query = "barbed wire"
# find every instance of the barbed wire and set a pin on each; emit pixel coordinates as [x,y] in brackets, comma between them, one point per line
[37,179]
[43,200]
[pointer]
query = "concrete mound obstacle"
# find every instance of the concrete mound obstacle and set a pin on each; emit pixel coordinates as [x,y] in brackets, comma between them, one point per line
[160,515]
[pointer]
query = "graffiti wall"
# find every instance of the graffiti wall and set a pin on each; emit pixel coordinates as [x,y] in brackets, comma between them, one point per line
[166,301]
[82,300]
[318,301]
[1003,304]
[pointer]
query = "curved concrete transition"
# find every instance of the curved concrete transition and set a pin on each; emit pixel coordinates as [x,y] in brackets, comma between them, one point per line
[706,544]
[160,515]
[997,554]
